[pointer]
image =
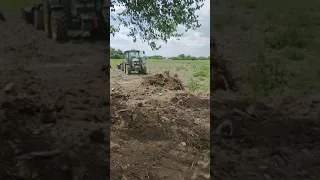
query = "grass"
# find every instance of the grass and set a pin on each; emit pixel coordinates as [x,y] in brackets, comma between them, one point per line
[288,38]
[266,76]
[194,74]
[284,34]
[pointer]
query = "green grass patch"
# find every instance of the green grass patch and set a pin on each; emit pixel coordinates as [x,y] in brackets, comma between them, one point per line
[193,85]
[181,68]
[202,71]
[114,62]
[266,76]
[288,38]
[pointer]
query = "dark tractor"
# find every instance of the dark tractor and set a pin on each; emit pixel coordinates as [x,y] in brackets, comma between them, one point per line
[134,62]
[59,17]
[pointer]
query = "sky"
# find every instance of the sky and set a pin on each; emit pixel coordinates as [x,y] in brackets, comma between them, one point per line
[193,42]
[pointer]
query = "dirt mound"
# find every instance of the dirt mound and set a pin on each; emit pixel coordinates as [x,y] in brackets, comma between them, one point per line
[263,140]
[164,80]
[190,101]
[221,76]
[32,152]
[53,118]
[151,132]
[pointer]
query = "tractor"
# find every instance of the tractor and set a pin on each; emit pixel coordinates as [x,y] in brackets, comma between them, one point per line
[134,62]
[59,17]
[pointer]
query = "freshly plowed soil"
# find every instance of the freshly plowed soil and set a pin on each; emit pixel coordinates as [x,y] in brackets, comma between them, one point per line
[220,74]
[266,143]
[253,140]
[158,133]
[165,80]
[54,106]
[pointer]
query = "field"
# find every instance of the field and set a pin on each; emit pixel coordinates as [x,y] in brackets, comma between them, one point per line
[263,32]
[272,121]
[195,75]
[160,121]
[53,101]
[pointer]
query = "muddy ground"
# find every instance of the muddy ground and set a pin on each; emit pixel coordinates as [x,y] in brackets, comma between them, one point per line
[271,137]
[251,140]
[158,134]
[54,106]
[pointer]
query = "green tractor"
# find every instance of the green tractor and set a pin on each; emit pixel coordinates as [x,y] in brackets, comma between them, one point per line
[134,62]
[59,17]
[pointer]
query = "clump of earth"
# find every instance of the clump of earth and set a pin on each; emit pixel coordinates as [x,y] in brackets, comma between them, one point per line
[164,80]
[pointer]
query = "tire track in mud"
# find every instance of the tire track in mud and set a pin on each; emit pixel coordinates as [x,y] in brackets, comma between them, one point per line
[157,135]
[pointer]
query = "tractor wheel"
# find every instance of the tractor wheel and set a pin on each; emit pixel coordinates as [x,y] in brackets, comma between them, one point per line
[38,20]
[144,70]
[59,29]
[129,70]
[47,20]
[122,68]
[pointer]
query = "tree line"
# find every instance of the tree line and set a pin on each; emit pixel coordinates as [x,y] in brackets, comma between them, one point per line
[119,54]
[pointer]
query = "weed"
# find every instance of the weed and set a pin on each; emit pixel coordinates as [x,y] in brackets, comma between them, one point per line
[294,54]
[119,126]
[201,73]
[266,76]
[193,85]
[180,68]
[288,37]
[202,78]
[159,89]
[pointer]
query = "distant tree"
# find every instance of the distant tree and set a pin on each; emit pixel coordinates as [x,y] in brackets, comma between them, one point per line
[188,57]
[116,54]
[182,56]
[156,57]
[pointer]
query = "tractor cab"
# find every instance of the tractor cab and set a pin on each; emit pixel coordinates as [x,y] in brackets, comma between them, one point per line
[133,55]
[134,61]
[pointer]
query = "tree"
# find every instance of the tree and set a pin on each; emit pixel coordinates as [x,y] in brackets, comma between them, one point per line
[116,54]
[156,20]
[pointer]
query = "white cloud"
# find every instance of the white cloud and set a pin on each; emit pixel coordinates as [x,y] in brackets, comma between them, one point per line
[195,43]
[119,9]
